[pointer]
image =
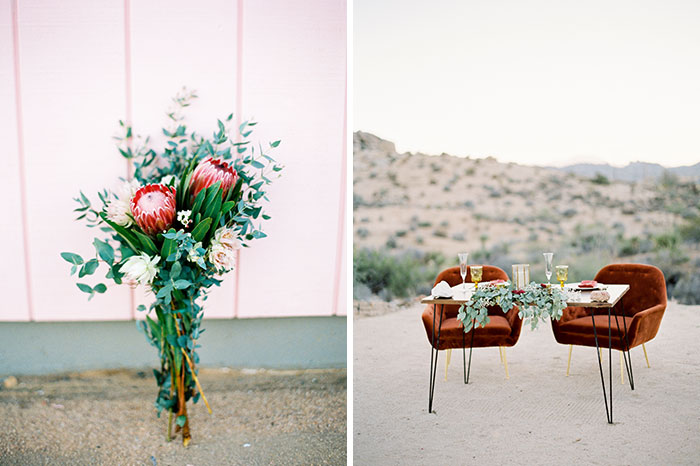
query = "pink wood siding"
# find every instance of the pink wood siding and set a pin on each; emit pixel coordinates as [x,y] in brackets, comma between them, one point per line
[85,64]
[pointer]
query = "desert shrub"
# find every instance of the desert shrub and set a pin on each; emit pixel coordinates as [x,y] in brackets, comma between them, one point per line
[440,233]
[687,289]
[568,213]
[458,236]
[391,243]
[425,224]
[690,230]
[362,232]
[395,275]
[600,179]
[400,233]
[357,201]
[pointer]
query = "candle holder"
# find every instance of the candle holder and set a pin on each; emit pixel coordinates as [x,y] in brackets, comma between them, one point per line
[521,275]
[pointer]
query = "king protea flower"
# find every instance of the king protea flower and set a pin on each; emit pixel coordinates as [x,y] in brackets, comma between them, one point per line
[153,208]
[208,172]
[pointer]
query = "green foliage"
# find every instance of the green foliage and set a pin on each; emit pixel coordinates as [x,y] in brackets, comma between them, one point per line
[600,179]
[535,303]
[395,275]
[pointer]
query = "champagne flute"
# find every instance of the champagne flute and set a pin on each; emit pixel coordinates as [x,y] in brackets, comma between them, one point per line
[562,274]
[463,267]
[476,271]
[548,256]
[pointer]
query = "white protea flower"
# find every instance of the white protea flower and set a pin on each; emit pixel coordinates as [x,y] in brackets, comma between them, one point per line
[227,237]
[183,217]
[141,269]
[223,258]
[119,212]
[167,179]
[119,209]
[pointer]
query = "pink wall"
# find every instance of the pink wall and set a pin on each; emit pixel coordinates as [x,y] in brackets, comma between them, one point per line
[70,70]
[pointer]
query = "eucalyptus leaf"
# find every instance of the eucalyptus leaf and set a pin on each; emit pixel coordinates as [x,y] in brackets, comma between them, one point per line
[72,258]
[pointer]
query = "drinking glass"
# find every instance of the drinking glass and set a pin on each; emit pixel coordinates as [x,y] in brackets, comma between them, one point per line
[548,256]
[562,274]
[463,267]
[476,271]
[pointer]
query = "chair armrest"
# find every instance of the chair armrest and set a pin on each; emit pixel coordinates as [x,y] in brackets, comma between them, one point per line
[646,323]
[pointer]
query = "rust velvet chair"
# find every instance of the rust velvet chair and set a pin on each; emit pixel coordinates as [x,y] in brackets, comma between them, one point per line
[445,332]
[638,315]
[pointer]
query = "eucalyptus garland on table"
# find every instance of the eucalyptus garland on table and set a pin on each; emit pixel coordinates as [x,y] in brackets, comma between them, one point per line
[535,303]
[176,227]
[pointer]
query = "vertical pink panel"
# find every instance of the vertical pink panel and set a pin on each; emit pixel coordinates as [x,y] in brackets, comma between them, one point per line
[72,57]
[184,43]
[342,308]
[294,84]
[12,272]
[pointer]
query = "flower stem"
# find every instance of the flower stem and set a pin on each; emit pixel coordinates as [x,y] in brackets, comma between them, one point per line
[170,426]
[194,376]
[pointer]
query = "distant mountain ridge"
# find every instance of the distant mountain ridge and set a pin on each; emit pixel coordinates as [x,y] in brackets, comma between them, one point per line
[635,171]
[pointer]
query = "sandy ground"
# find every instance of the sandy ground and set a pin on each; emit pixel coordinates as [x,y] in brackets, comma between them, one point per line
[538,416]
[107,417]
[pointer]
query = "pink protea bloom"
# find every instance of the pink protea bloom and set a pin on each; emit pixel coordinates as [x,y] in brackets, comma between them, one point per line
[153,208]
[208,172]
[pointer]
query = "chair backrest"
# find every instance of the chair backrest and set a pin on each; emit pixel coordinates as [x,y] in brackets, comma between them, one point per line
[647,285]
[453,277]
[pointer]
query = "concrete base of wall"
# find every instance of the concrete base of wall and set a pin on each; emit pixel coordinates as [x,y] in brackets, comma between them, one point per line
[282,343]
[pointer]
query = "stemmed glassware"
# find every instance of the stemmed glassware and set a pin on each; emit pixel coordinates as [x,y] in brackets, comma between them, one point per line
[476,271]
[463,267]
[562,274]
[548,256]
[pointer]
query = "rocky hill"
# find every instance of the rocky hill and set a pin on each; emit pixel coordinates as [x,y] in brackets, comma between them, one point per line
[508,213]
[636,171]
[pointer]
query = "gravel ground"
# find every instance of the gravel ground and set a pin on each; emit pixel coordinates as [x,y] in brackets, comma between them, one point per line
[107,417]
[538,416]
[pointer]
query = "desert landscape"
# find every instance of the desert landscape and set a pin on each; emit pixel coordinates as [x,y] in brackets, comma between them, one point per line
[412,214]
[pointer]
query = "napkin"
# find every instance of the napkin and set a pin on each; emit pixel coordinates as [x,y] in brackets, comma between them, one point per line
[600,296]
[588,284]
[442,290]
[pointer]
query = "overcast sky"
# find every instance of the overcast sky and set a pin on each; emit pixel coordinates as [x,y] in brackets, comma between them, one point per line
[534,82]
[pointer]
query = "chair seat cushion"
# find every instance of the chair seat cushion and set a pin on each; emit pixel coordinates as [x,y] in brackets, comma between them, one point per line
[584,325]
[496,332]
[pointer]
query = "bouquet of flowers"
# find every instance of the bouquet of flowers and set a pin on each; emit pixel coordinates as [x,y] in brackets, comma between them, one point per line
[536,302]
[176,227]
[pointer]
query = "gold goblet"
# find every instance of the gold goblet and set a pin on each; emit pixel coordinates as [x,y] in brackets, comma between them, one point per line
[476,271]
[562,274]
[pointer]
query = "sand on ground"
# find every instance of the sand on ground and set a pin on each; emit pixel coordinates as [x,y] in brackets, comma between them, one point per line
[538,416]
[107,417]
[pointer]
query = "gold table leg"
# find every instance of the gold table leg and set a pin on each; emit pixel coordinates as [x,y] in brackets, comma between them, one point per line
[505,362]
[568,364]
